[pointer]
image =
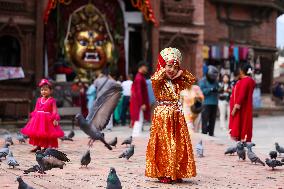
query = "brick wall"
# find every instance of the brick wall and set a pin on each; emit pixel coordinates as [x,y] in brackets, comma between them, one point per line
[266,32]
[213,30]
[263,34]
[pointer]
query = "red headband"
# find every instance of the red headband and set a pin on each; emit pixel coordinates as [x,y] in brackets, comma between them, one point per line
[44,82]
[161,62]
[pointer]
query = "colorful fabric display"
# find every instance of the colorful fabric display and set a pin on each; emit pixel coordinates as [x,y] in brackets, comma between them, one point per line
[7,72]
[213,52]
[225,52]
[218,52]
[236,53]
[4,74]
[231,50]
[243,53]
[205,52]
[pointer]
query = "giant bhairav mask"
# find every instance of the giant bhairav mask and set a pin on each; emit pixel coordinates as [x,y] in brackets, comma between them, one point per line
[88,42]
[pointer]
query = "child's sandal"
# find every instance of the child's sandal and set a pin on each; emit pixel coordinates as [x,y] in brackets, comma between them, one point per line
[165,180]
[36,149]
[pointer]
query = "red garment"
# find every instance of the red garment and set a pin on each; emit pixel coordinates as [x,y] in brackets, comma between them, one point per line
[81,99]
[241,123]
[40,128]
[139,96]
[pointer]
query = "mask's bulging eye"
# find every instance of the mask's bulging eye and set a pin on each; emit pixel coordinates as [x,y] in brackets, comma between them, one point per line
[98,43]
[83,43]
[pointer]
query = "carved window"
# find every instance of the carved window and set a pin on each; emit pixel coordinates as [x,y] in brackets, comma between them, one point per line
[178,11]
[10,51]
[239,34]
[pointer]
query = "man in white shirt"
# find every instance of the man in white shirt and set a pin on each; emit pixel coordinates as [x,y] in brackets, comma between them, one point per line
[126,92]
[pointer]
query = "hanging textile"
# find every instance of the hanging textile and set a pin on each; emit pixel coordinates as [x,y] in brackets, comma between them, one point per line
[213,52]
[225,52]
[7,72]
[205,52]
[218,52]
[231,50]
[236,53]
[243,53]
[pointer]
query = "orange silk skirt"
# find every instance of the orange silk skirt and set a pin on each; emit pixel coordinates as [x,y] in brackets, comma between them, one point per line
[169,151]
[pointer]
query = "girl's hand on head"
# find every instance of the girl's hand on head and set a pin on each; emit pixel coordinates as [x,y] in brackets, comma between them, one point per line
[178,74]
[55,123]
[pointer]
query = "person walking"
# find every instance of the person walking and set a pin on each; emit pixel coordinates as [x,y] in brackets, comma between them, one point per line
[126,92]
[91,95]
[169,156]
[139,101]
[224,98]
[241,106]
[192,101]
[103,83]
[209,87]
[151,96]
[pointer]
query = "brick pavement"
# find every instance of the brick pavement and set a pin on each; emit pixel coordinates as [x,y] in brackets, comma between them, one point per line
[215,170]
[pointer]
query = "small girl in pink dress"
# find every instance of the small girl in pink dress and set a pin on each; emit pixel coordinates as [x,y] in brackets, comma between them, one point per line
[43,127]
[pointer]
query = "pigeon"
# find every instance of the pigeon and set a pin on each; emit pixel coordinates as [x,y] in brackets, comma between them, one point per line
[128,152]
[199,149]
[127,141]
[69,136]
[11,161]
[20,138]
[241,150]
[91,130]
[113,181]
[253,157]
[249,145]
[113,142]
[4,151]
[273,154]
[273,163]
[86,159]
[22,184]
[8,139]
[279,149]
[231,150]
[33,169]
[50,159]
[25,136]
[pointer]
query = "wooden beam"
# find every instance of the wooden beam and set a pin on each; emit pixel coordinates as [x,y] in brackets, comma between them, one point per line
[38,51]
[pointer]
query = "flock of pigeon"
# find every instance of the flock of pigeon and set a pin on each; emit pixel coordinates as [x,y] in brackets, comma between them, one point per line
[49,158]
[242,153]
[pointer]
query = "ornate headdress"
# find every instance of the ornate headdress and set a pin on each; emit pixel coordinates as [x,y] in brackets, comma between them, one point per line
[170,54]
[44,82]
[87,17]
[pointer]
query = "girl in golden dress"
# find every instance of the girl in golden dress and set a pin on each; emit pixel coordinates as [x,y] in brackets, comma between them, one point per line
[169,155]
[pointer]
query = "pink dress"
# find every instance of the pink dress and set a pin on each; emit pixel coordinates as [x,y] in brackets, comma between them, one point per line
[40,128]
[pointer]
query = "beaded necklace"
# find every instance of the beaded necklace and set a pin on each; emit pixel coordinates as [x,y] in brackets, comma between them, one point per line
[45,101]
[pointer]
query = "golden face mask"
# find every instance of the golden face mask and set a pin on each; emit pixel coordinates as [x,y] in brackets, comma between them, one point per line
[90,50]
[88,44]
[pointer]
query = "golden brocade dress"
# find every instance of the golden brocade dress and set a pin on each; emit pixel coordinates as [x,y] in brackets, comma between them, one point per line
[169,151]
